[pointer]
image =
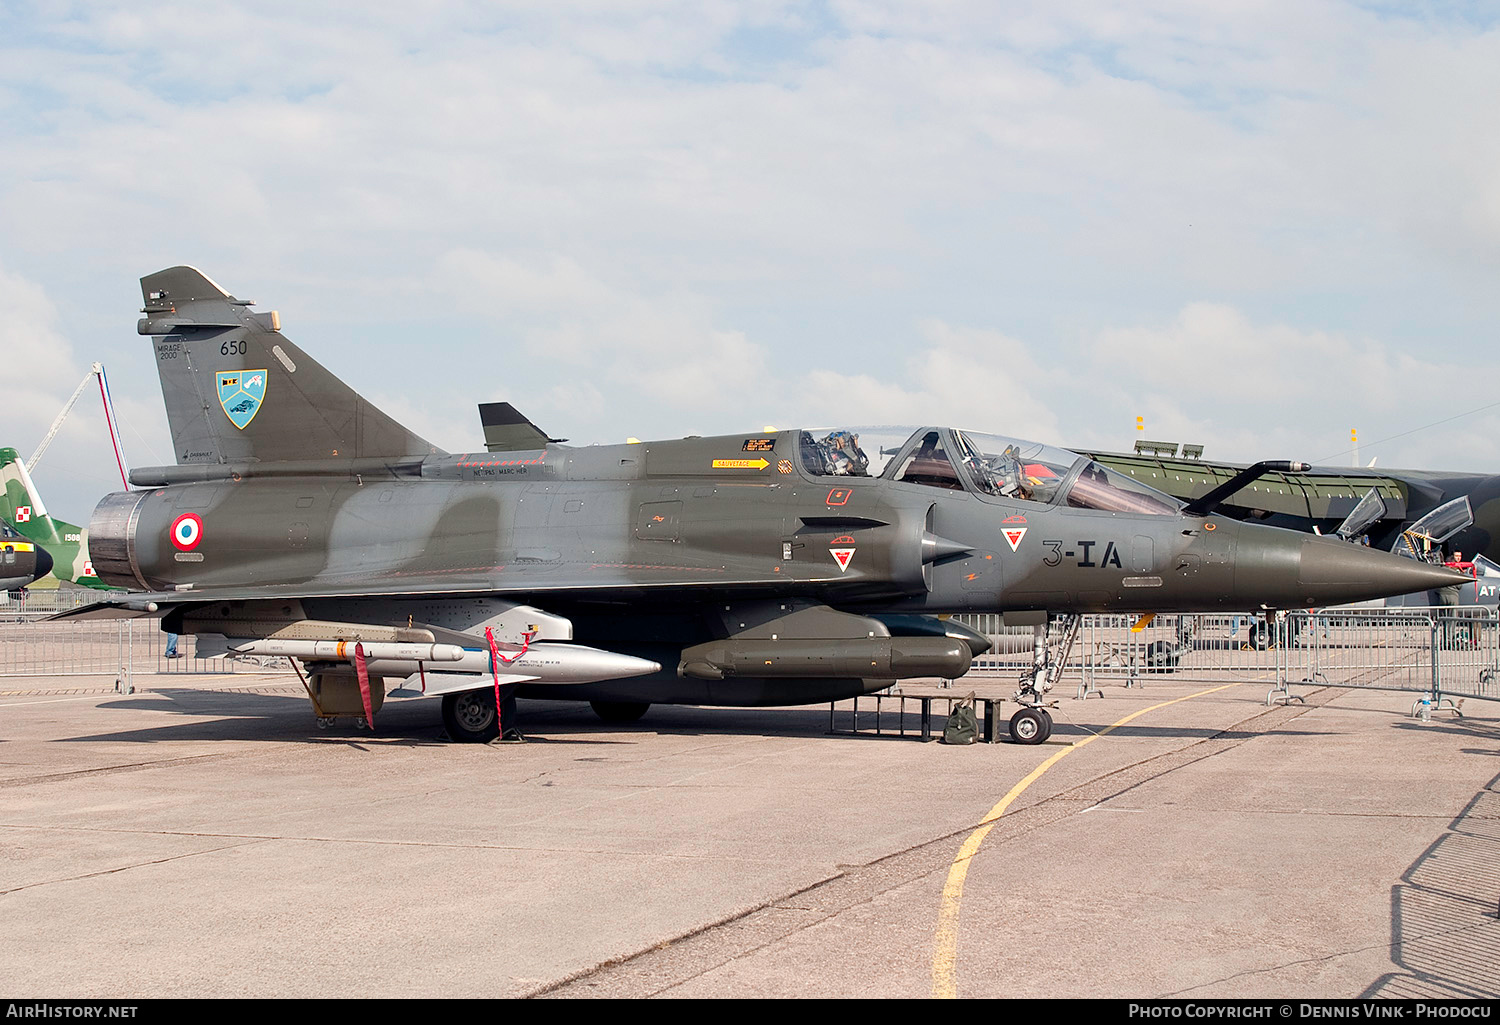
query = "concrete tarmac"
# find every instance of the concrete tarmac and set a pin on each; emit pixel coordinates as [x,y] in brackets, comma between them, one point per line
[203,838]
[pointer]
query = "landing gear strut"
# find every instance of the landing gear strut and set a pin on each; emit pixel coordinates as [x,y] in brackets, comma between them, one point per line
[1033,723]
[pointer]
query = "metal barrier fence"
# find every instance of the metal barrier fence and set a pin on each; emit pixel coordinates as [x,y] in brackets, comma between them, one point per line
[1444,655]
[1123,647]
[1010,646]
[1132,648]
[1439,653]
[31,646]
[48,601]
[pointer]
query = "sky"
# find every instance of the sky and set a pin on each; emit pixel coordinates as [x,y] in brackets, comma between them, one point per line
[1257,225]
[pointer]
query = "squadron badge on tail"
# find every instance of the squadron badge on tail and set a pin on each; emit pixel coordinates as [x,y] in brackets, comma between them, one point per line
[241,393]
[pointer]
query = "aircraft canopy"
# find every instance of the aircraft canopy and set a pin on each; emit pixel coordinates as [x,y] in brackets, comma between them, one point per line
[988,464]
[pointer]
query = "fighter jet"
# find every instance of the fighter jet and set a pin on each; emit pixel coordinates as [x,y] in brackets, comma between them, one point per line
[22,563]
[761,568]
[1323,496]
[66,545]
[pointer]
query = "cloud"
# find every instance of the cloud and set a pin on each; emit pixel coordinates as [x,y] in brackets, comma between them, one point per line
[978,379]
[35,354]
[42,373]
[40,368]
[602,128]
[670,217]
[1254,391]
[1240,365]
[551,285]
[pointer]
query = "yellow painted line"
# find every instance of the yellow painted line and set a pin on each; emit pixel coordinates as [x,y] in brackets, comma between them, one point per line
[945,943]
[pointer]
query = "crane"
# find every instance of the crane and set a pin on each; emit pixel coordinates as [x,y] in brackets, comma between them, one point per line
[96,370]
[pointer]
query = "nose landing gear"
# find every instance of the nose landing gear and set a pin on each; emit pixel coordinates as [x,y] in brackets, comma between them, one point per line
[1033,723]
[1031,726]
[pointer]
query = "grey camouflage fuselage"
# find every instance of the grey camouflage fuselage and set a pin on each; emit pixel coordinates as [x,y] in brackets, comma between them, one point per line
[749,575]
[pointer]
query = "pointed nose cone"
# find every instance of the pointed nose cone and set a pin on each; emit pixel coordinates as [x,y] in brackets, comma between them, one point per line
[1336,572]
[1283,569]
[43,563]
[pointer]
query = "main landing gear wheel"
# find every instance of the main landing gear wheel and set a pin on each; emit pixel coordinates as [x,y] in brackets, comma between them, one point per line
[1031,726]
[619,711]
[1161,657]
[470,717]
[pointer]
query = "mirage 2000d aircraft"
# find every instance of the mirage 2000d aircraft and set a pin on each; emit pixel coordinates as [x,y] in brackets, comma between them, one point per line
[762,568]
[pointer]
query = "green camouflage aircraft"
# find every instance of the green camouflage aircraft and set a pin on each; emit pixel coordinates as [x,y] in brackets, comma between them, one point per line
[66,545]
[762,568]
[22,562]
[1322,496]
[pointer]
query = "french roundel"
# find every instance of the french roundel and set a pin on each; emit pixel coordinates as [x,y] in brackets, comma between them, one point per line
[187,531]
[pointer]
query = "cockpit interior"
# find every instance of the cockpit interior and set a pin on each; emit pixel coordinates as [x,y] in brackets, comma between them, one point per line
[989,465]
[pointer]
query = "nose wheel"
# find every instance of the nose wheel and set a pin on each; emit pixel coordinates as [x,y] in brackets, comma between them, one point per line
[1031,726]
[1033,723]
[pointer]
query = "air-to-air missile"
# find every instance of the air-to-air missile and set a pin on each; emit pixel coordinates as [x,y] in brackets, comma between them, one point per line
[763,568]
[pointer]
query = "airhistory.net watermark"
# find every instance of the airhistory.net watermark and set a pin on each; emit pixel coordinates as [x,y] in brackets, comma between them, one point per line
[53,1009]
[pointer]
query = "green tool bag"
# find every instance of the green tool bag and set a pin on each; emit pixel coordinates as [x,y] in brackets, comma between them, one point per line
[963,723]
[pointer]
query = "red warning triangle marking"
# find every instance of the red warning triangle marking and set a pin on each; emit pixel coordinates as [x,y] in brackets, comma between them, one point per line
[1014,536]
[842,557]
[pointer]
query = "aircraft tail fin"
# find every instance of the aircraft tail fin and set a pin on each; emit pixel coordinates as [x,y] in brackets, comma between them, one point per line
[237,390]
[506,429]
[22,505]
[66,544]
